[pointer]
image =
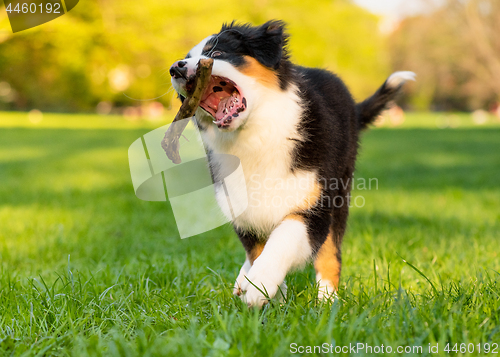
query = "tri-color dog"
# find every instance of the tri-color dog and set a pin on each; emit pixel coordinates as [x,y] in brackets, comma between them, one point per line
[295,131]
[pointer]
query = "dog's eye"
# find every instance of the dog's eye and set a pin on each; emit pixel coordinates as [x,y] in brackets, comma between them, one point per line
[216,54]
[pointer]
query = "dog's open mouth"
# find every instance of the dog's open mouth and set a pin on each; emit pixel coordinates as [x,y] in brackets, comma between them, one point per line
[223,100]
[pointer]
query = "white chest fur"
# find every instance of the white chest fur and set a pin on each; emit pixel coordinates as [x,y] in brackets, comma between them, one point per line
[265,147]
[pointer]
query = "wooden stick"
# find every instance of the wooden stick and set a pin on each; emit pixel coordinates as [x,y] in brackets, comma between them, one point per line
[196,87]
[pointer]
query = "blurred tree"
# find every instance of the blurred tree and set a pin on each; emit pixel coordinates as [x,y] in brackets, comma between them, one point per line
[455,52]
[104,49]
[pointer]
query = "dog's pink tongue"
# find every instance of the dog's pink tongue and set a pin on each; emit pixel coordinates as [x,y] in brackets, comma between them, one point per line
[212,100]
[223,108]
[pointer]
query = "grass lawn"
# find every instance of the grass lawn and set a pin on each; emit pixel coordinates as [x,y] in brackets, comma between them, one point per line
[86,268]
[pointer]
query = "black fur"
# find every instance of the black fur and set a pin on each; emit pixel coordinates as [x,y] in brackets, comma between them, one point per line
[266,43]
[368,110]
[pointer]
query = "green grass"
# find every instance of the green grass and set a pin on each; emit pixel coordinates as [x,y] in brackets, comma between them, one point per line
[86,268]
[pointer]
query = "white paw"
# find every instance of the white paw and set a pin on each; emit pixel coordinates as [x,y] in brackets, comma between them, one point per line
[260,283]
[241,278]
[326,291]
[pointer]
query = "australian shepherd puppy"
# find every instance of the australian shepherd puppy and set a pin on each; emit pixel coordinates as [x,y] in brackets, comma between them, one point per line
[295,131]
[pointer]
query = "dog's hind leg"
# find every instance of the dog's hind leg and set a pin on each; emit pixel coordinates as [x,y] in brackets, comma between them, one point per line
[328,265]
[328,260]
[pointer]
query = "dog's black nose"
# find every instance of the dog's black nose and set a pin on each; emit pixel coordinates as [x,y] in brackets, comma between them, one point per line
[178,70]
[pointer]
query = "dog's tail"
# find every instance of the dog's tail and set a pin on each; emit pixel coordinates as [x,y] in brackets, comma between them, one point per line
[368,110]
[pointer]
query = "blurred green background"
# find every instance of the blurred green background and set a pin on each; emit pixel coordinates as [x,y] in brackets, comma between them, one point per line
[103,53]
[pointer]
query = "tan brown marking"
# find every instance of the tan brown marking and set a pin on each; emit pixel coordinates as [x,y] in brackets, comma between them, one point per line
[207,47]
[311,199]
[295,217]
[255,252]
[326,262]
[261,73]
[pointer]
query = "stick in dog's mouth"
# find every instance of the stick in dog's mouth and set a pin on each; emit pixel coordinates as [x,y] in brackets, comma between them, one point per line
[198,86]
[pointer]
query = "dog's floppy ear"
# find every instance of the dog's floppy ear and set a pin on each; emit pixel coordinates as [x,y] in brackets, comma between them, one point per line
[268,42]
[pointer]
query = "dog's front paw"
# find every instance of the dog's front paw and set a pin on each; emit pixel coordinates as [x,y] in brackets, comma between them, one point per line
[241,278]
[260,284]
[257,296]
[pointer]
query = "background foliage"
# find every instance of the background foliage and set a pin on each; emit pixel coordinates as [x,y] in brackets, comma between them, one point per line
[103,49]
[456,52]
[114,50]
